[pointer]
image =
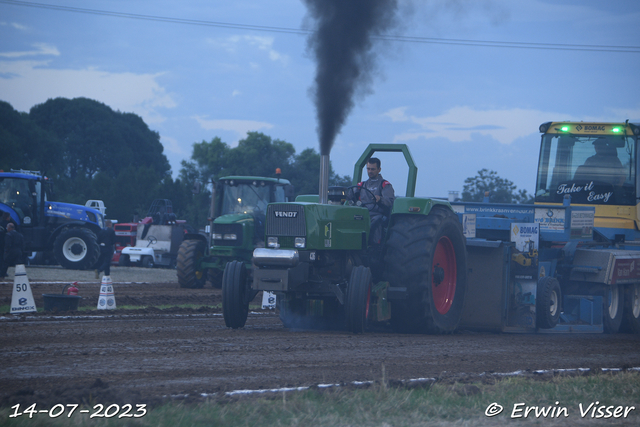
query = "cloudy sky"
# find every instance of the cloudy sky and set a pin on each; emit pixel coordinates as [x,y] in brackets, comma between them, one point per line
[194,70]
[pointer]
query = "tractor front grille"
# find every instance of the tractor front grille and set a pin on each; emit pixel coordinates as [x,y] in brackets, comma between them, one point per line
[228,229]
[285,220]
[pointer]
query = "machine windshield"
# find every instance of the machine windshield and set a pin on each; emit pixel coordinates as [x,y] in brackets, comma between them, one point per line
[245,197]
[19,195]
[592,169]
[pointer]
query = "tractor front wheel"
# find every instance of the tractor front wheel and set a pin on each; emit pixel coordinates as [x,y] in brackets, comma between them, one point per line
[190,275]
[235,292]
[358,299]
[427,256]
[76,248]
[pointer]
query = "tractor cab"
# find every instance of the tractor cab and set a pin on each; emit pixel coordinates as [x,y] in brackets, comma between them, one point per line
[594,164]
[240,198]
[21,193]
[238,215]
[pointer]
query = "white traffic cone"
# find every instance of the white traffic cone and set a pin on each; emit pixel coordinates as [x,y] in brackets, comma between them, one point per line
[22,299]
[268,300]
[107,300]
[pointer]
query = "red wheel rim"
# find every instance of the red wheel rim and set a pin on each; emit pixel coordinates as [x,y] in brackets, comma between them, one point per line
[444,261]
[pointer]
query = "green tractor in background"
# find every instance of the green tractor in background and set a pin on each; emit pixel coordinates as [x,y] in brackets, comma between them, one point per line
[322,268]
[238,208]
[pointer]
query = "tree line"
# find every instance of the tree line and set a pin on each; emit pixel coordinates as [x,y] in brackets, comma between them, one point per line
[91,151]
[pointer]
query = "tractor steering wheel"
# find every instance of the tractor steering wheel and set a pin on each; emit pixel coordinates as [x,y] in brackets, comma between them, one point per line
[368,205]
[152,241]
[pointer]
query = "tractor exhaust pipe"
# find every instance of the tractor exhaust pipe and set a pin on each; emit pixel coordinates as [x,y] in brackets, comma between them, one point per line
[324,179]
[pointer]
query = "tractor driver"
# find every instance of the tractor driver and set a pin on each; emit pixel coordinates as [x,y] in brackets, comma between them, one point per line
[603,166]
[379,199]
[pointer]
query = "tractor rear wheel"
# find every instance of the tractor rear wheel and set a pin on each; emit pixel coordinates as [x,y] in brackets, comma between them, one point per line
[631,317]
[358,299]
[612,309]
[77,248]
[548,297]
[190,275]
[235,304]
[427,255]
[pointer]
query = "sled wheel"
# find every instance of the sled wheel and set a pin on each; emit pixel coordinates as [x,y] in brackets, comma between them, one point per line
[631,317]
[612,309]
[358,299]
[235,307]
[548,297]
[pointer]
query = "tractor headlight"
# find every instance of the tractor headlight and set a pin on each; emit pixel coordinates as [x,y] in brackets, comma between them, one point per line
[300,242]
[230,236]
[217,236]
[272,242]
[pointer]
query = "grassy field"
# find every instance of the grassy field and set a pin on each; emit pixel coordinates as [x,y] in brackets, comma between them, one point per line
[610,399]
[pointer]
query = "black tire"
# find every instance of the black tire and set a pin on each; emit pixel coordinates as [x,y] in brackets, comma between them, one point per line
[77,248]
[190,275]
[358,299]
[413,252]
[548,297]
[214,276]
[612,310]
[631,316]
[124,261]
[235,289]
[147,261]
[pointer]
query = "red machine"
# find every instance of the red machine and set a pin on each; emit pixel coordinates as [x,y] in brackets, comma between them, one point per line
[126,233]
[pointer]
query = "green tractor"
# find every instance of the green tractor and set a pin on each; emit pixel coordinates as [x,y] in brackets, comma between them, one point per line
[324,272]
[238,208]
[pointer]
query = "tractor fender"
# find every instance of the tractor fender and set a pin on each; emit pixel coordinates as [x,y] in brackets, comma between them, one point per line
[200,237]
[59,229]
[415,206]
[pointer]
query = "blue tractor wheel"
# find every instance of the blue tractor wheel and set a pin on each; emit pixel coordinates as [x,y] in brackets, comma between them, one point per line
[77,248]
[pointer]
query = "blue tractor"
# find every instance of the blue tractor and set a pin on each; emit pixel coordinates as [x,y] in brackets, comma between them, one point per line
[67,230]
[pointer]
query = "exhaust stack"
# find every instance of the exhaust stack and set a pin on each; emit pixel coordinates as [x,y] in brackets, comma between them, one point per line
[324,179]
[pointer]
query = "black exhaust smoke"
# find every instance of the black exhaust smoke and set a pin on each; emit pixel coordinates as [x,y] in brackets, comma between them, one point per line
[343,46]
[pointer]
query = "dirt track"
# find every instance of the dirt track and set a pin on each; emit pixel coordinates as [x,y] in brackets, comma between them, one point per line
[148,355]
